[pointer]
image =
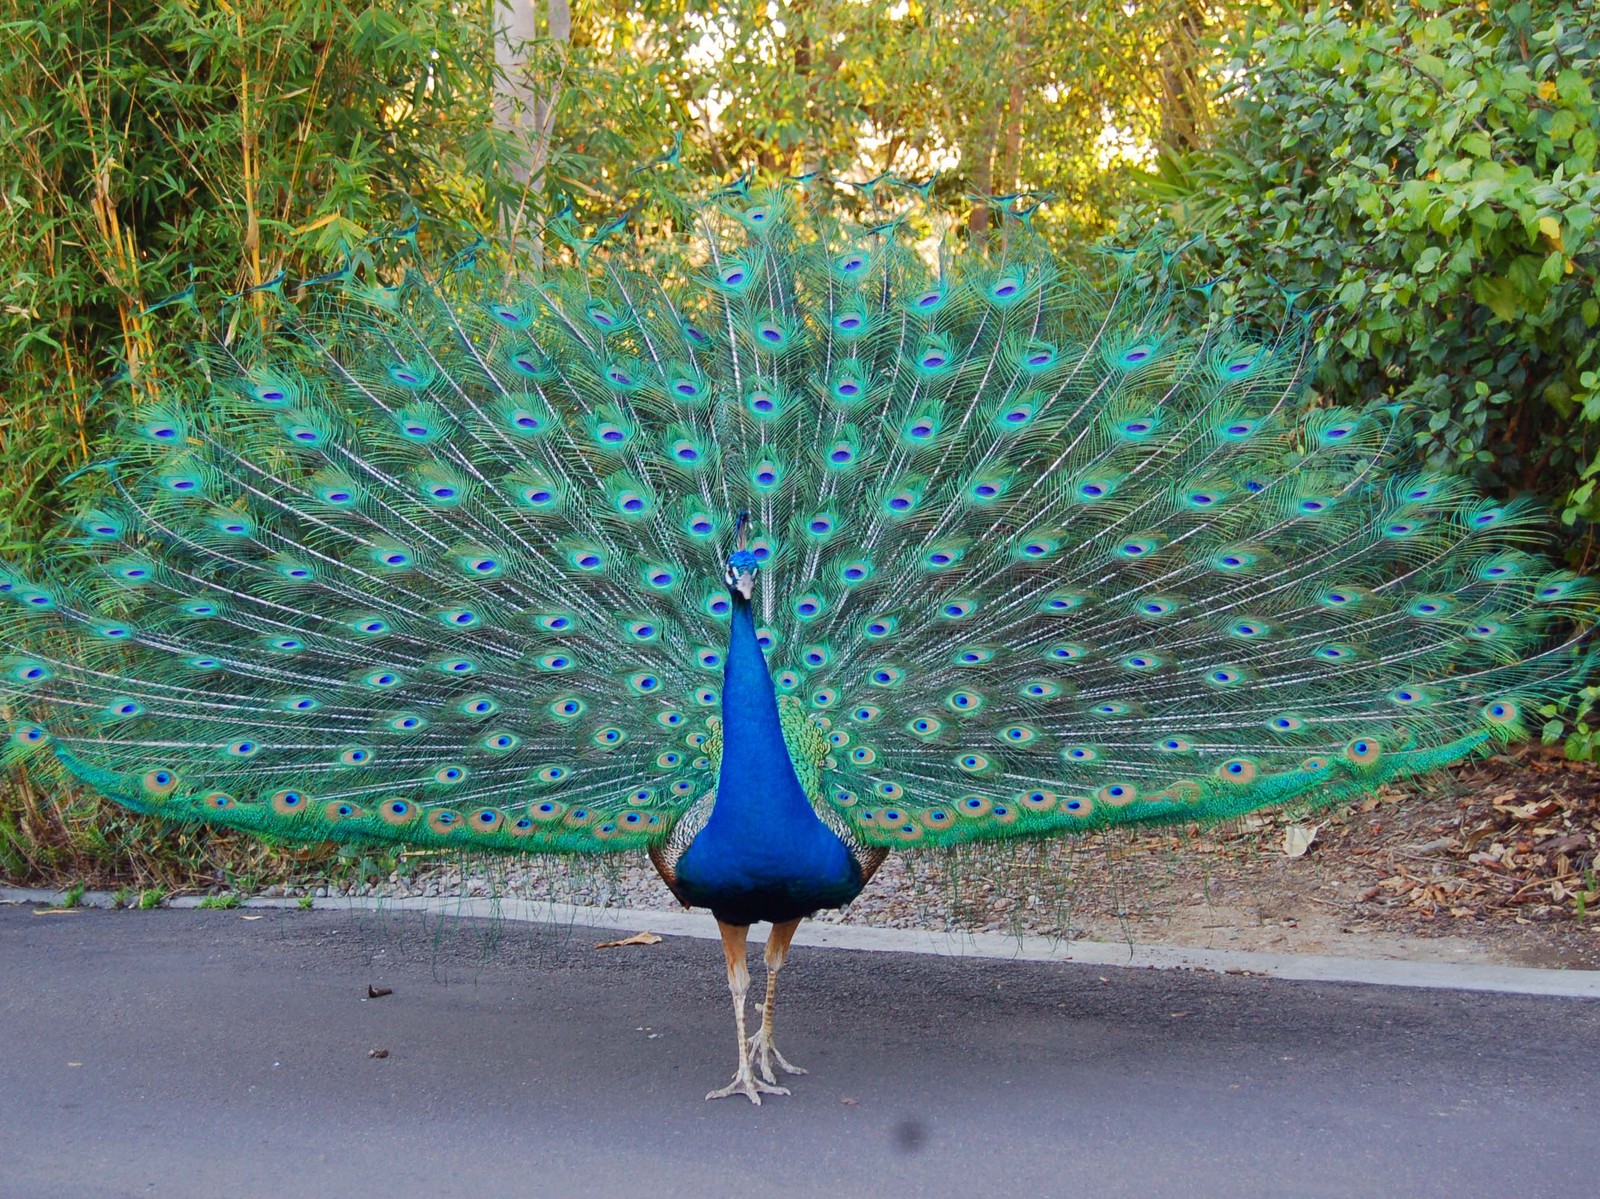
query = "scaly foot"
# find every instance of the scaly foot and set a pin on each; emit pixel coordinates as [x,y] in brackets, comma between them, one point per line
[763,1053]
[747,1084]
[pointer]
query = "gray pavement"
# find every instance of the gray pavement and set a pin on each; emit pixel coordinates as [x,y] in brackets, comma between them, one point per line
[184,1053]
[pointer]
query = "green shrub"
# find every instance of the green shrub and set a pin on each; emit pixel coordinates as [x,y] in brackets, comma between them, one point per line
[1429,174]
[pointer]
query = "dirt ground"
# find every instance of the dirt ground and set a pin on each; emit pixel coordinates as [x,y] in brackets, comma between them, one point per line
[1499,860]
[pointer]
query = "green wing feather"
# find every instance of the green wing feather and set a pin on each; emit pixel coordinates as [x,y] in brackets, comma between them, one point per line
[442,563]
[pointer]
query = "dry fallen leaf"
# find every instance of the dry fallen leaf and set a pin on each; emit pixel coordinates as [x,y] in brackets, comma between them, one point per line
[252,917]
[377,1053]
[1297,839]
[636,939]
[378,992]
[56,911]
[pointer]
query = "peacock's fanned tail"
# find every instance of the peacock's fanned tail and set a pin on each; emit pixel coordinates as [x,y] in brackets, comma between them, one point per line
[443,564]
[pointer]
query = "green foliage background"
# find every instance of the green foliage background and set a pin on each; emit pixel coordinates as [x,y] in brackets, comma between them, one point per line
[1427,172]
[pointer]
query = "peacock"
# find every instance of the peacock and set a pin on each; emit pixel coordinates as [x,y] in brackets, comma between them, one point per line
[766,550]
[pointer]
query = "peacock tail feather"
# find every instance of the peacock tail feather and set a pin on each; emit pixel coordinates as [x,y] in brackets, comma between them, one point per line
[442,563]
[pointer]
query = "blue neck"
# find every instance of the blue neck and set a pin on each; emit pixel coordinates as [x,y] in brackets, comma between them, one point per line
[757,782]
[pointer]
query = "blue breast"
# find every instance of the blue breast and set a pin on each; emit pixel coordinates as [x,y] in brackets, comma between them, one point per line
[763,854]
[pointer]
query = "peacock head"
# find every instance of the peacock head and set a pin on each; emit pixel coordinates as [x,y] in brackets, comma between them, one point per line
[743,565]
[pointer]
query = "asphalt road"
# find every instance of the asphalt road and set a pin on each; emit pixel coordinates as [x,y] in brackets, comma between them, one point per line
[177,1054]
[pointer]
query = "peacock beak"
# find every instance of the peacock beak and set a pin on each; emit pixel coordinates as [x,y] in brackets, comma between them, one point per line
[745,583]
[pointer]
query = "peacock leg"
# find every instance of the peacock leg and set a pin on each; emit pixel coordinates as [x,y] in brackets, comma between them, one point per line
[762,1051]
[744,1080]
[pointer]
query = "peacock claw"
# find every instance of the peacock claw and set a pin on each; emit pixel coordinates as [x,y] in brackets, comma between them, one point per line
[747,1084]
[763,1053]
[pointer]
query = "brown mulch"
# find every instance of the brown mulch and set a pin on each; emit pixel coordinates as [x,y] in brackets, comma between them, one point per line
[1513,837]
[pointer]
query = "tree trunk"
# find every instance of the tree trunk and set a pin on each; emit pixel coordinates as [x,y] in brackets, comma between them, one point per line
[520,105]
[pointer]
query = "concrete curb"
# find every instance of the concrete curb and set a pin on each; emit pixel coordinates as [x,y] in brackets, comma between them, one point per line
[1383,972]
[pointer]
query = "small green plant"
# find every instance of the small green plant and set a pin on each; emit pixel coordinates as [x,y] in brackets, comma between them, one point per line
[151,898]
[122,897]
[74,895]
[305,903]
[221,902]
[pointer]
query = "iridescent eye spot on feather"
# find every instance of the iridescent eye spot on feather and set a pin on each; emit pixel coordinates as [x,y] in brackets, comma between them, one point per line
[1233,561]
[853,263]
[392,557]
[1225,676]
[824,698]
[885,676]
[1039,689]
[809,606]
[1313,505]
[243,748]
[1174,745]
[1137,355]
[1066,652]
[500,742]
[124,709]
[974,805]
[398,811]
[1363,751]
[957,609]
[706,697]
[1249,630]
[450,775]
[1157,608]
[1135,548]
[1238,430]
[855,572]
[1237,770]
[1019,734]
[1334,653]
[1285,722]
[478,705]
[1409,697]
[1006,289]
[972,763]
[1117,794]
[925,726]
[548,810]
[462,666]
[289,802]
[670,719]
[734,277]
[159,783]
[865,714]
[763,403]
[902,502]
[1015,417]
[382,680]
[964,702]
[442,823]
[1502,712]
[928,301]
[1143,662]
[407,722]
[355,756]
[1110,708]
